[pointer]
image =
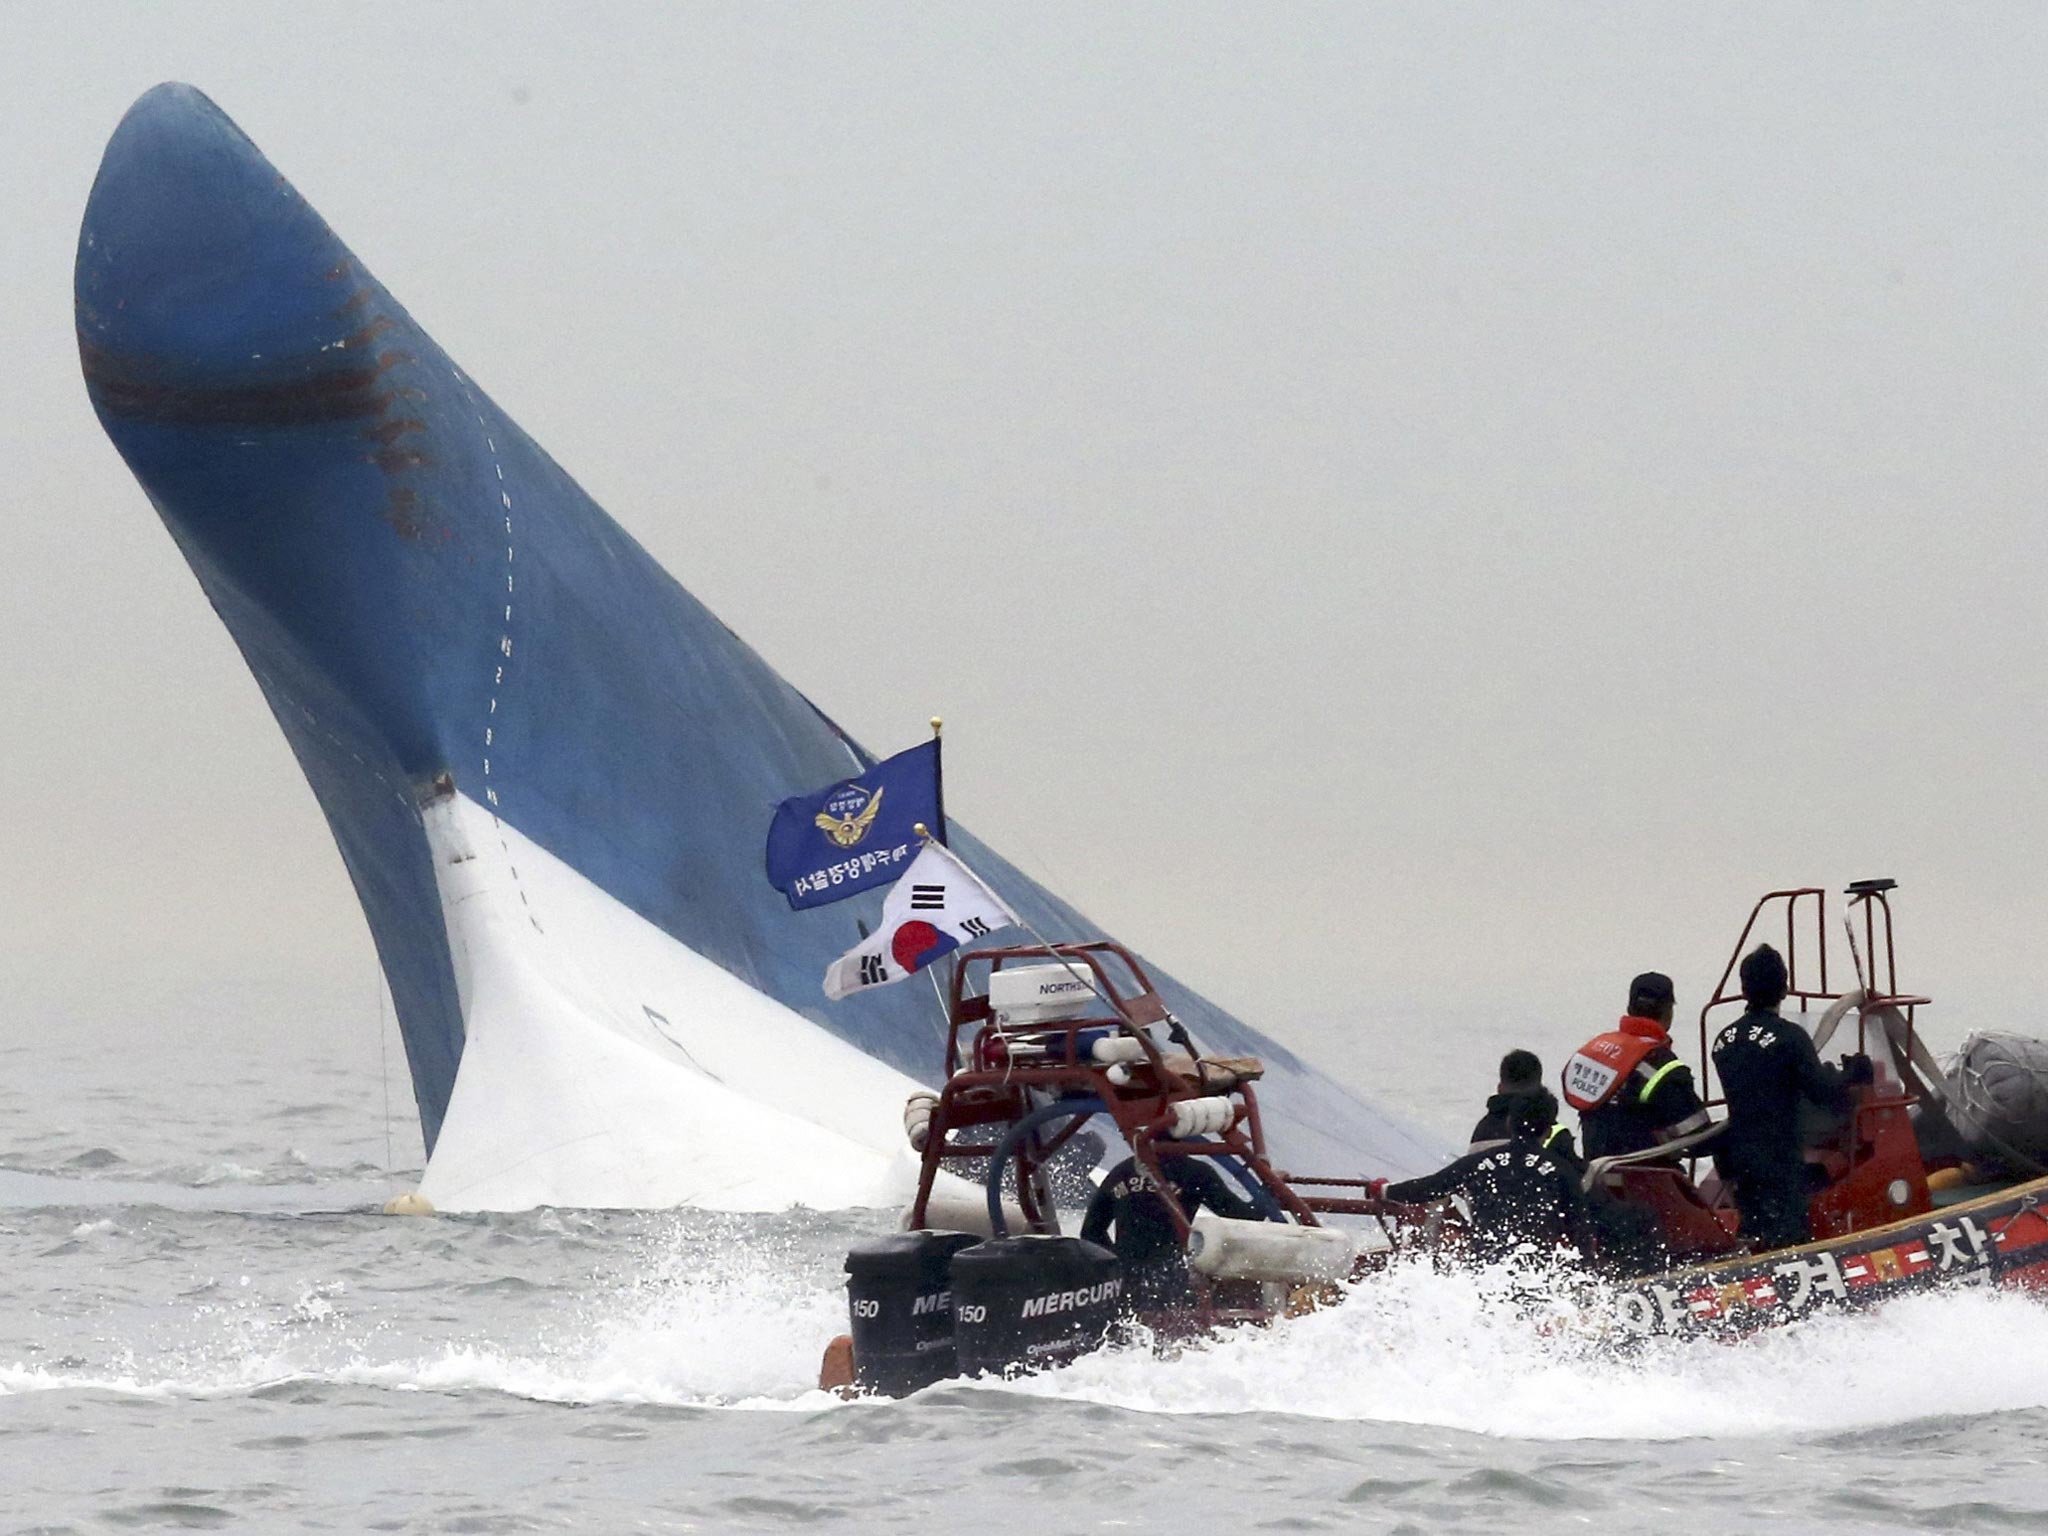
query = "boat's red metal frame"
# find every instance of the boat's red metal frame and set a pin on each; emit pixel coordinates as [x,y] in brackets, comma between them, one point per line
[1873,904]
[1875,1151]
[993,1075]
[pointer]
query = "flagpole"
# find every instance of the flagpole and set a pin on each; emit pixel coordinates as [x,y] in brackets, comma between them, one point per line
[943,993]
[939,775]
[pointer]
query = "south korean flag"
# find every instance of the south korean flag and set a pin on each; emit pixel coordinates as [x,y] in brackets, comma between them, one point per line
[938,905]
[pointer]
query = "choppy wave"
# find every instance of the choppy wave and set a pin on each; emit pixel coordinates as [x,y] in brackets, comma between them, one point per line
[706,1322]
[712,1318]
[1455,1352]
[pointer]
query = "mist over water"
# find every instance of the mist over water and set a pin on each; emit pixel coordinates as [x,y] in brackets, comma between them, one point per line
[211,1328]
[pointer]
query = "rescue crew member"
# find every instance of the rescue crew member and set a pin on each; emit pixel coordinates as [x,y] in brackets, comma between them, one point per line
[1629,1087]
[1521,1195]
[1768,1066]
[1146,1244]
[1521,1077]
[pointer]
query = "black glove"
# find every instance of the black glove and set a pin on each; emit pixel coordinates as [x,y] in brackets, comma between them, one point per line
[1856,1070]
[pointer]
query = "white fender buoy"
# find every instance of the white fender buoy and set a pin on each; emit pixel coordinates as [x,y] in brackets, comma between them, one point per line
[1224,1249]
[411,1203]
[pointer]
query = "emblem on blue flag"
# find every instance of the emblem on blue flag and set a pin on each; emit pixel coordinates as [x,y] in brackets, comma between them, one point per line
[856,834]
[848,814]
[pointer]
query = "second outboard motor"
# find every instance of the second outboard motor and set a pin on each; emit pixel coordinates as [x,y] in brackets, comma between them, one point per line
[1027,1302]
[897,1289]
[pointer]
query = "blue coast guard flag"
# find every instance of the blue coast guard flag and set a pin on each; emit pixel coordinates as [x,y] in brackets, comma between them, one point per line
[938,904]
[857,834]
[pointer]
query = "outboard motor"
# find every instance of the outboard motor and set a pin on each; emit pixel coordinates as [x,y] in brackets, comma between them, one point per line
[897,1290]
[1027,1302]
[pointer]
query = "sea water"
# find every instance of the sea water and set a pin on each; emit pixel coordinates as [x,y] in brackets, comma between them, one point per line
[204,1324]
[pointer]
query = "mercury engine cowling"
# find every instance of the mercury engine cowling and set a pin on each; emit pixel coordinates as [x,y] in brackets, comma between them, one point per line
[899,1292]
[1026,1302]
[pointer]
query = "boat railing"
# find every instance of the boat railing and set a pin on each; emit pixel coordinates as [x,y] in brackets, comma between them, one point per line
[1806,930]
[1025,1073]
[1136,1005]
[1678,1146]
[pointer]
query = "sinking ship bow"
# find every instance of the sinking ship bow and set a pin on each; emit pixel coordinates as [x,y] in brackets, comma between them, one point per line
[547,766]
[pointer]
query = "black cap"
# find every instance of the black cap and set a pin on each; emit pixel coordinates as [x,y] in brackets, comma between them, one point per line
[1649,993]
[1763,977]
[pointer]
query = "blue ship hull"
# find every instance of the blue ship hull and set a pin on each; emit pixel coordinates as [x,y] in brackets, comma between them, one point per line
[435,610]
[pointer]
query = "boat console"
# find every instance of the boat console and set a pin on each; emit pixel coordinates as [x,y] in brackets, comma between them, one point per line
[1040,1040]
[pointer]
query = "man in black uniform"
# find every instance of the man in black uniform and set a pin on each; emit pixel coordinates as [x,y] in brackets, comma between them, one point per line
[1520,1194]
[1146,1245]
[1768,1066]
[1521,1077]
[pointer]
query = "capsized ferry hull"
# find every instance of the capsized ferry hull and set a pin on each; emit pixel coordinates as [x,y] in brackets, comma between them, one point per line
[549,769]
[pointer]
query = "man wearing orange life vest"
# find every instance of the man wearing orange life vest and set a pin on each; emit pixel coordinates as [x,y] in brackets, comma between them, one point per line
[1628,1085]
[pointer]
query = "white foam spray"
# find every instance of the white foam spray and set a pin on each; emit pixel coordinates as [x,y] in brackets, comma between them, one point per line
[1457,1351]
[725,1316]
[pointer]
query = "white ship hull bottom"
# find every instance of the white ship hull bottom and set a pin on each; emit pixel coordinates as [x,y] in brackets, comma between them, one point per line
[608,1065]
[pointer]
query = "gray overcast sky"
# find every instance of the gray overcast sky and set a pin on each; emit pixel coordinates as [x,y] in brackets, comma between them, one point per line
[1433,508]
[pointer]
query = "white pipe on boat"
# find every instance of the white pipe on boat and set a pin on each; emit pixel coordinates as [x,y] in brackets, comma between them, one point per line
[957,1206]
[1202,1117]
[917,1117]
[1116,1048]
[1226,1249]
